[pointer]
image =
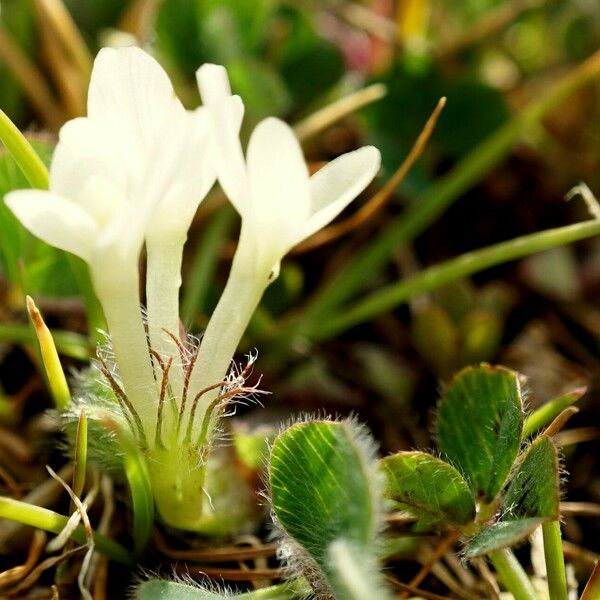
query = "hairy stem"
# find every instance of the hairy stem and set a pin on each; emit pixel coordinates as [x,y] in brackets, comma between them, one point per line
[229,320]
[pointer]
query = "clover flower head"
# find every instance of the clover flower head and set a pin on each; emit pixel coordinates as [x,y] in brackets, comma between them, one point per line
[133,172]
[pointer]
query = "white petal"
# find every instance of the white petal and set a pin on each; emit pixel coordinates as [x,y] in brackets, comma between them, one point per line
[194,177]
[87,148]
[213,83]
[131,93]
[334,186]
[279,181]
[57,221]
[227,113]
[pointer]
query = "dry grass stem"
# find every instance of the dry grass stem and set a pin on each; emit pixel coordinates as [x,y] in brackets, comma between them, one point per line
[374,205]
[328,115]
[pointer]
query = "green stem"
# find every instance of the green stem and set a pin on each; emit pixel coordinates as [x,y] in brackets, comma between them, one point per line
[138,478]
[227,324]
[545,413]
[555,562]
[348,280]
[25,156]
[512,575]
[433,277]
[48,520]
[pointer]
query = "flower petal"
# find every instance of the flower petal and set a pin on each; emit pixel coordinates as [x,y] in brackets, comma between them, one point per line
[131,93]
[227,112]
[87,148]
[194,176]
[279,181]
[56,220]
[334,186]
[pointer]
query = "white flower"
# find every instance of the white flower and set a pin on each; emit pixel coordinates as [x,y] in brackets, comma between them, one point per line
[280,204]
[132,168]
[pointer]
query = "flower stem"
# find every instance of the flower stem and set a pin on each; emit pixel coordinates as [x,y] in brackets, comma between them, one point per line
[163,280]
[229,320]
[555,562]
[512,575]
[118,291]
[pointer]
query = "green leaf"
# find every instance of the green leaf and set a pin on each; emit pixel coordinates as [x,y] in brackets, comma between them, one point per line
[534,488]
[325,495]
[479,425]
[48,520]
[500,535]
[429,488]
[436,338]
[25,156]
[532,498]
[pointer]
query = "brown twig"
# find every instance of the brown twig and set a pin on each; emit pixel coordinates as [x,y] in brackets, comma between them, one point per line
[213,555]
[380,199]
[560,421]
[442,548]
[576,436]
[328,115]
[415,591]
[69,82]
[138,18]
[37,572]
[54,14]
[583,509]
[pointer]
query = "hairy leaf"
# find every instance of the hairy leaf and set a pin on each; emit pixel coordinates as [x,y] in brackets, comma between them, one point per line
[532,498]
[326,495]
[534,488]
[479,426]
[500,535]
[429,488]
